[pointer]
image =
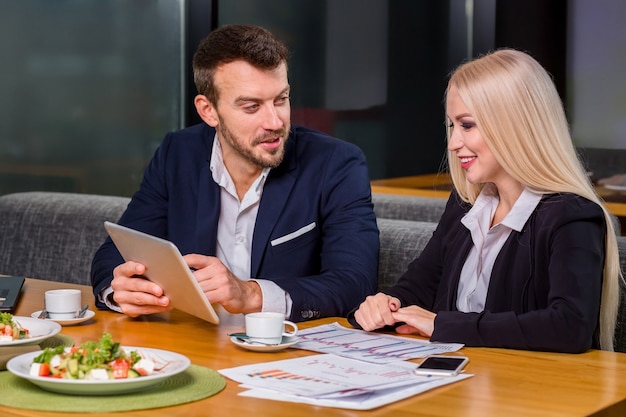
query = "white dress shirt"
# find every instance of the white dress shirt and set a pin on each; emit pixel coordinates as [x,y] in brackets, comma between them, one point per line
[235,230]
[487,243]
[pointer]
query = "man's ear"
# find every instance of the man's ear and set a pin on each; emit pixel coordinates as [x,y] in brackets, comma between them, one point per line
[206,110]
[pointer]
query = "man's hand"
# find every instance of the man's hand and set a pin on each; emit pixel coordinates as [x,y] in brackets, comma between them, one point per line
[135,295]
[222,287]
[377,311]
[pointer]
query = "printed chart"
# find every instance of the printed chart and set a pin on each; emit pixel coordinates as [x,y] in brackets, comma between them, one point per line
[368,346]
[332,381]
[323,375]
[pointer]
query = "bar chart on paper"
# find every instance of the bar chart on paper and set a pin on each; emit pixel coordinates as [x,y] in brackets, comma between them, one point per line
[324,375]
[328,380]
[368,346]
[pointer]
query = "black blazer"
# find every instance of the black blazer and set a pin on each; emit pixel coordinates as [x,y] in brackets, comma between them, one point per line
[545,287]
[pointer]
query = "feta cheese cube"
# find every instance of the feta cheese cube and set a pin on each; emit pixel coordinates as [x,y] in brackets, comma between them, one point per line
[98,373]
[55,361]
[34,369]
[146,364]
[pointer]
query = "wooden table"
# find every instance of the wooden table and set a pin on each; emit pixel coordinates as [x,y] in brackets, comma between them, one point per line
[439,186]
[506,382]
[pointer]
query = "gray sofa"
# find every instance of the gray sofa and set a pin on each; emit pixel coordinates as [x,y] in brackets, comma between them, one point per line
[53,236]
[406,225]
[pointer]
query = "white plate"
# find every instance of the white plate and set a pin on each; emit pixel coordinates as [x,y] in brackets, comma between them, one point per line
[172,363]
[257,347]
[38,330]
[615,187]
[67,322]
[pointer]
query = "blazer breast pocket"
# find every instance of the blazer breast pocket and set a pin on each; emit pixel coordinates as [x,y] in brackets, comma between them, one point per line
[295,239]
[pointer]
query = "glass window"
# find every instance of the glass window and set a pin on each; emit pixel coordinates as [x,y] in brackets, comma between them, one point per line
[596,90]
[88,89]
[597,57]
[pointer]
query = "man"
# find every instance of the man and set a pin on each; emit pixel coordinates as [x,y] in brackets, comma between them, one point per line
[271,217]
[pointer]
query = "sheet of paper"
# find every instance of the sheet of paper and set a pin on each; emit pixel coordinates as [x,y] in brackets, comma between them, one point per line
[365,401]
[368,346]
[324,374]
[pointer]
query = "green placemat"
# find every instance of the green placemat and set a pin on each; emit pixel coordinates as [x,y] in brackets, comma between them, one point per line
[56,340]
[195,383]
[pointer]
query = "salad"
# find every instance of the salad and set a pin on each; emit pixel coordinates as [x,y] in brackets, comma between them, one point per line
[10,329]
[101,360]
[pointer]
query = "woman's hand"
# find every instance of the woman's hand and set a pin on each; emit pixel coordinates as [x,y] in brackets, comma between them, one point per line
[376,311]
[416,319]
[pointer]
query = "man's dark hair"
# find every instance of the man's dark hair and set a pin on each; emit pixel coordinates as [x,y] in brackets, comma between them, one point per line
[253,44]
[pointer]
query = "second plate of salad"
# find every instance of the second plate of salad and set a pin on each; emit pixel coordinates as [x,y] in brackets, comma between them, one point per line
[36,330]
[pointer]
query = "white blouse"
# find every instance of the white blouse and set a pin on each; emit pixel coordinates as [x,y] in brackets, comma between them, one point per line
[487,243]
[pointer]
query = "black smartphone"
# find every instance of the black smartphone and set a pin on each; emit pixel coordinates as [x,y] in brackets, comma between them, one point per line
[439,365]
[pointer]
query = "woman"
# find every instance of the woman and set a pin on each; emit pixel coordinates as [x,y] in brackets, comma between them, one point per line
[525,255]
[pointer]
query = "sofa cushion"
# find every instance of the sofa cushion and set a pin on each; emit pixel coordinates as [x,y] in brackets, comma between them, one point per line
[52,235]
[401,241]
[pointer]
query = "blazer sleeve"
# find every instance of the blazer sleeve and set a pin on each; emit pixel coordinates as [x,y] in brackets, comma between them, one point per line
[421,283]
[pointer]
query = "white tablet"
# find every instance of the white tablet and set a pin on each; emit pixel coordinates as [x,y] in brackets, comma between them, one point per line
[166,267]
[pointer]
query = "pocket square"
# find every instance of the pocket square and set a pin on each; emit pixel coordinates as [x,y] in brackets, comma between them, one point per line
[293,235]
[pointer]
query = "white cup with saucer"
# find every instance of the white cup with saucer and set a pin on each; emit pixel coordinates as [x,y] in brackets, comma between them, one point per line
[268,328]
[62,304]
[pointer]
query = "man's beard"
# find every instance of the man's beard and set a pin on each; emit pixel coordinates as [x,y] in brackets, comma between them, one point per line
[271,160]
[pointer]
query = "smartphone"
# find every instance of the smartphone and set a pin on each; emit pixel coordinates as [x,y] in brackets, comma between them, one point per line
[439,365]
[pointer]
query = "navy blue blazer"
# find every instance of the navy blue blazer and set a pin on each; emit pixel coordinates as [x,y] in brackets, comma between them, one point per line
[323,180]
[545,286]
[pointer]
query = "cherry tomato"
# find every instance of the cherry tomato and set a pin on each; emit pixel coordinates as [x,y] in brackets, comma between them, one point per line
[120,368]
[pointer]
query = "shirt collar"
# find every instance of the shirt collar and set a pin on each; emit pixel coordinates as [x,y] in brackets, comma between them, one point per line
[522,209]
[516,218]
[218,169]
[221,175]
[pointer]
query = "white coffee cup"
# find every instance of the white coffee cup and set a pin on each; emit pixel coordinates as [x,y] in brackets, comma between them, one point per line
[63,303]
[268,328]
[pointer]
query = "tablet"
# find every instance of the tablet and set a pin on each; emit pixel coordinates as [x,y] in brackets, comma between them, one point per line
[166,267]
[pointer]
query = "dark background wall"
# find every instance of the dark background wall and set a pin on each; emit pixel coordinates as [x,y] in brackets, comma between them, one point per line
[89,89]
[404,133]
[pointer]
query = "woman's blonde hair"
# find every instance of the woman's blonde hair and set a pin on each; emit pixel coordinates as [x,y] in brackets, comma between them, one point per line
[521,118]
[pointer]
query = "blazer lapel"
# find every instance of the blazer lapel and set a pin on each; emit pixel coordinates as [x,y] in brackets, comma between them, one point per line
[276,191]
[462,247]
[208,211]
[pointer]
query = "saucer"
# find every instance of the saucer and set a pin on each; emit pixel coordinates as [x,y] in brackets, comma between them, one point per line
[68,322]
[257,347]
